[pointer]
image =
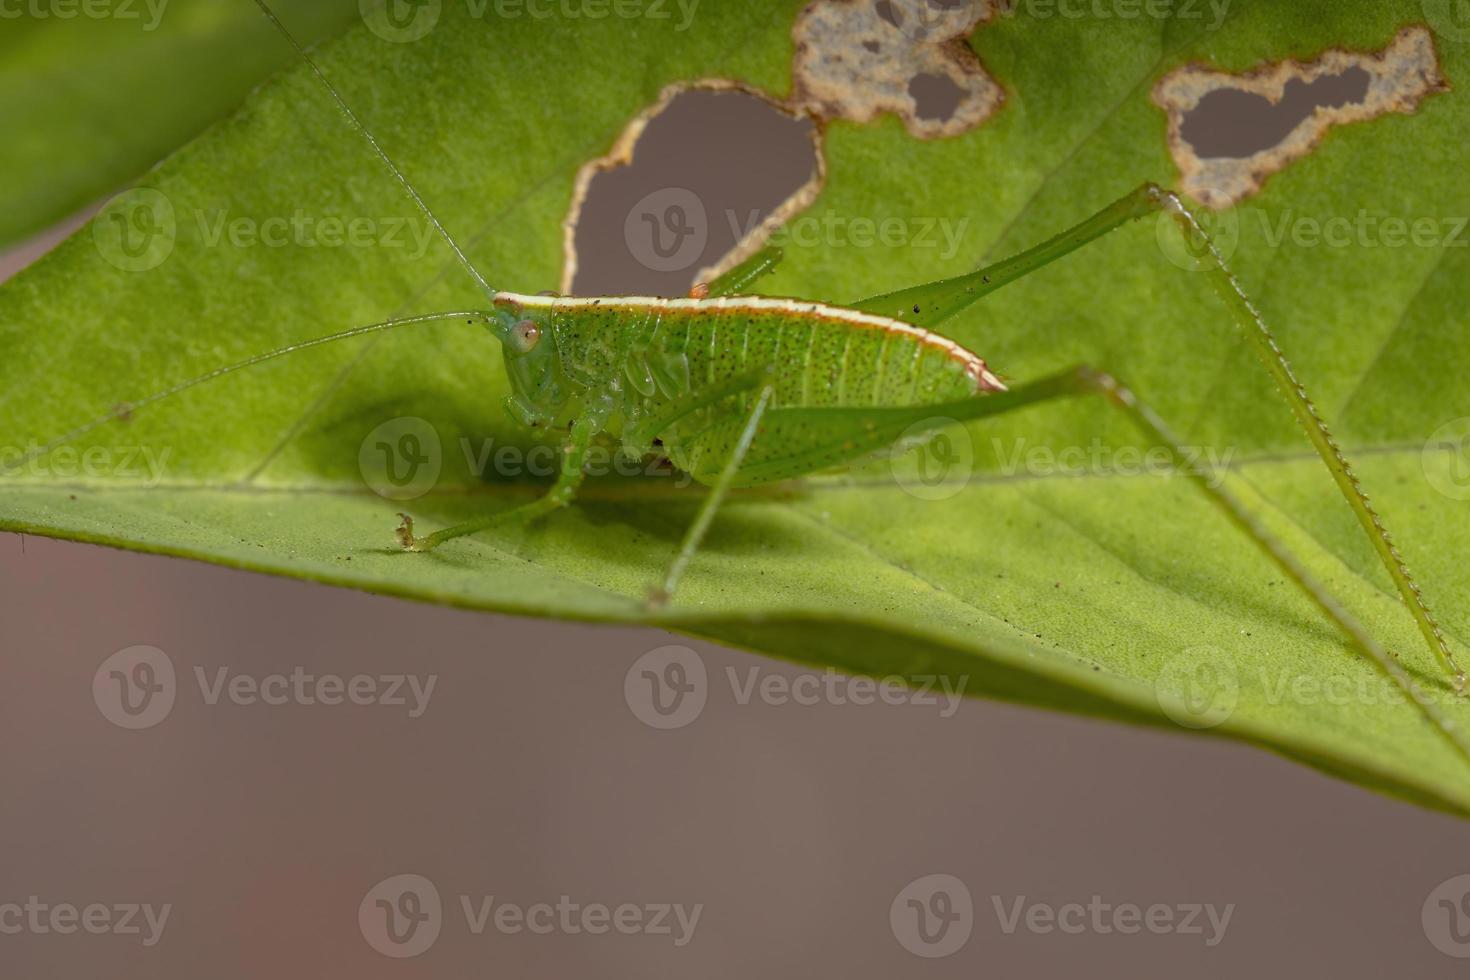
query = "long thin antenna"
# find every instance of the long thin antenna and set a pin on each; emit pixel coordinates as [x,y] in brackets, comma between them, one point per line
[126,409]
[377,148]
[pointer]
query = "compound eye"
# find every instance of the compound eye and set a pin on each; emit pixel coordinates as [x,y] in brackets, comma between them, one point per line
[524,335]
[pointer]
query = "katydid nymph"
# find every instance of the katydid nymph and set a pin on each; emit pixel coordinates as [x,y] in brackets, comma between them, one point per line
[739,390]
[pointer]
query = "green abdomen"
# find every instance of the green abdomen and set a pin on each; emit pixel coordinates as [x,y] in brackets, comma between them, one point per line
[821,356]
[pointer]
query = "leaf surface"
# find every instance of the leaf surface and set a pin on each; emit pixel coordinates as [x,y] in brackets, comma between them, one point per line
[1068,573]
[89,101]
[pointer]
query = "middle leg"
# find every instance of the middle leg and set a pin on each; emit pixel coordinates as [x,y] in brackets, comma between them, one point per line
[574,458]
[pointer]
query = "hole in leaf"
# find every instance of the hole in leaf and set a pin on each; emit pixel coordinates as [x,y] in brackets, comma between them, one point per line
[1234,124]
[691,180]
[1230,131]
[935,96]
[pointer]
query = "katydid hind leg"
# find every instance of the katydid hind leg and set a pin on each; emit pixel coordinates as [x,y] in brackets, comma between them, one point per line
[1249,318]
[930,304]
[1085,381]
[833,434]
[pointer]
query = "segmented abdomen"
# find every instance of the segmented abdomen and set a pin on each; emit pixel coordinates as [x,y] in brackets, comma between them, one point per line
[822,356]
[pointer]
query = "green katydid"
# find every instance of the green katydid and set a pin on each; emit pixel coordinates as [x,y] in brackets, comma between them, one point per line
[740,390]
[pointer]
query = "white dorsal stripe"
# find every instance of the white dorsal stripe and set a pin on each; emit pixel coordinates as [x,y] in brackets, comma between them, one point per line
[973,364]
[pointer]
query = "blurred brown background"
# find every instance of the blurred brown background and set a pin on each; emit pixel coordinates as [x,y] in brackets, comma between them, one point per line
[528,776]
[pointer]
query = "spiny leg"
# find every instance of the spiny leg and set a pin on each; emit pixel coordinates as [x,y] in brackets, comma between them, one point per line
[932,303]
[574,457]
[1088,381]
[716,496]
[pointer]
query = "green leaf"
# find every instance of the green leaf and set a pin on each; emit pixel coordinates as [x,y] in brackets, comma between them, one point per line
[88,101]
[1092,593]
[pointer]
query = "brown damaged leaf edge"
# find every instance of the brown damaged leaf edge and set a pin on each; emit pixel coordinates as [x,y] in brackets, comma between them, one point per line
[1400,77]
[858,59]
[626,145]
[853,61]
